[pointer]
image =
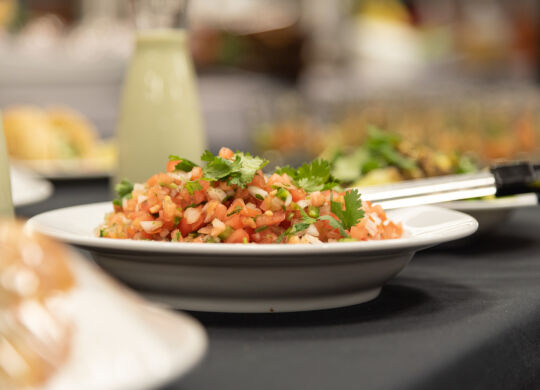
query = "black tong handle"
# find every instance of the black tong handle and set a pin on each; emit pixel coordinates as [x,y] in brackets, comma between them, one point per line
[516,178]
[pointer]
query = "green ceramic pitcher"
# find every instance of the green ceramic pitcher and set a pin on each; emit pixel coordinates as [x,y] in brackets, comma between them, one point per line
[6,204]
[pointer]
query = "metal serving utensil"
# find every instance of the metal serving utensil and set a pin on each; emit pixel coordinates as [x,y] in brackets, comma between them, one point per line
[501,180]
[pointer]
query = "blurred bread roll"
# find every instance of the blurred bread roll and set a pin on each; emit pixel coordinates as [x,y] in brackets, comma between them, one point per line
[33,133]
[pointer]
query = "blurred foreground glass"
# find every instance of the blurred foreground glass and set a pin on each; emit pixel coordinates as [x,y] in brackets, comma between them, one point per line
[159,111]
[6,204]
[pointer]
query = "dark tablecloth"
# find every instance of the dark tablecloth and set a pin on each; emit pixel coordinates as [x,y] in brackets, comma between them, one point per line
[457,317]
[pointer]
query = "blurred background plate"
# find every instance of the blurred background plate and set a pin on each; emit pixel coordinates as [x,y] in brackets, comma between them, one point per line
[492,213]
[27,189]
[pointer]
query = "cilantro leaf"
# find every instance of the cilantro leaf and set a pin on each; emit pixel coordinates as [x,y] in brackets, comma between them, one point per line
[335,224]
[352,213]
[183,163]
[207,156]
[217,169]
[290,171]
[315,176]
[123,189]
[239,171]
[192,186]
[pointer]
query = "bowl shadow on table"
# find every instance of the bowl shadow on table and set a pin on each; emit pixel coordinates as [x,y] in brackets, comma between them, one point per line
[402,305]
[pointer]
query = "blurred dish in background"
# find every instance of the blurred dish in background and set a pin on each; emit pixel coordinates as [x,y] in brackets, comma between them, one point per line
[488,124]
[57,143]
[26,189]
[64,325]
[385,157]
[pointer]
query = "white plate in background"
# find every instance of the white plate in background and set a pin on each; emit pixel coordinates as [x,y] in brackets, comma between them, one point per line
[492,213]
[27,189]
[256,277]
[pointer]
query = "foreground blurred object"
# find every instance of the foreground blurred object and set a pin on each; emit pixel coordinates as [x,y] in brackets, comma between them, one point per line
[65,326]
[6,205]
[34,335]
[56,141]
[159,111]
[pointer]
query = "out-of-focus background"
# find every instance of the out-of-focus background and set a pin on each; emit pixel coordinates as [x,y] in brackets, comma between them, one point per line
[286,78]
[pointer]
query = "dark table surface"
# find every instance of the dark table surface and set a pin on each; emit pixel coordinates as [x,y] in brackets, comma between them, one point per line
[456,317]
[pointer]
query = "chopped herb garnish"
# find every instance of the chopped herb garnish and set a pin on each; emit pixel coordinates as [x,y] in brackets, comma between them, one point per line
[259,196]
[192,186]
[184,164]
[313,212]
[226,233]
[311,177]
[352,212]
[282,193]
[245,240]
[102,232]
[172,186]
[236,210]
[239,171]
[177,220]
[261,228]
[124,189]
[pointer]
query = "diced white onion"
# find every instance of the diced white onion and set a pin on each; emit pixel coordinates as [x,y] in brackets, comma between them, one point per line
[303,203]
[312,230]
[312,240]
[375,218]
[191,215]
[218,227]
[371,227]
[218,224]
[216,194]
[254,191]
[288,200]
[182,176]
[151,226]
[205,230]
[141,198]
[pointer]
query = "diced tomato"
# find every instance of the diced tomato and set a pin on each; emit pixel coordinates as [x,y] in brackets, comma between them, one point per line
[226,153]
[196,173]
[297,194]
[186,228]
[171,165]
[238,237]
[268,220]
[234,221]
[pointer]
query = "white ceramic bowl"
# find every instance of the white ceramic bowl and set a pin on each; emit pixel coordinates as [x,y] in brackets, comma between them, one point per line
[256,277]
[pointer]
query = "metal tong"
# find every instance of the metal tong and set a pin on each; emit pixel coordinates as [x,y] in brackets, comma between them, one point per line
[501,180]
